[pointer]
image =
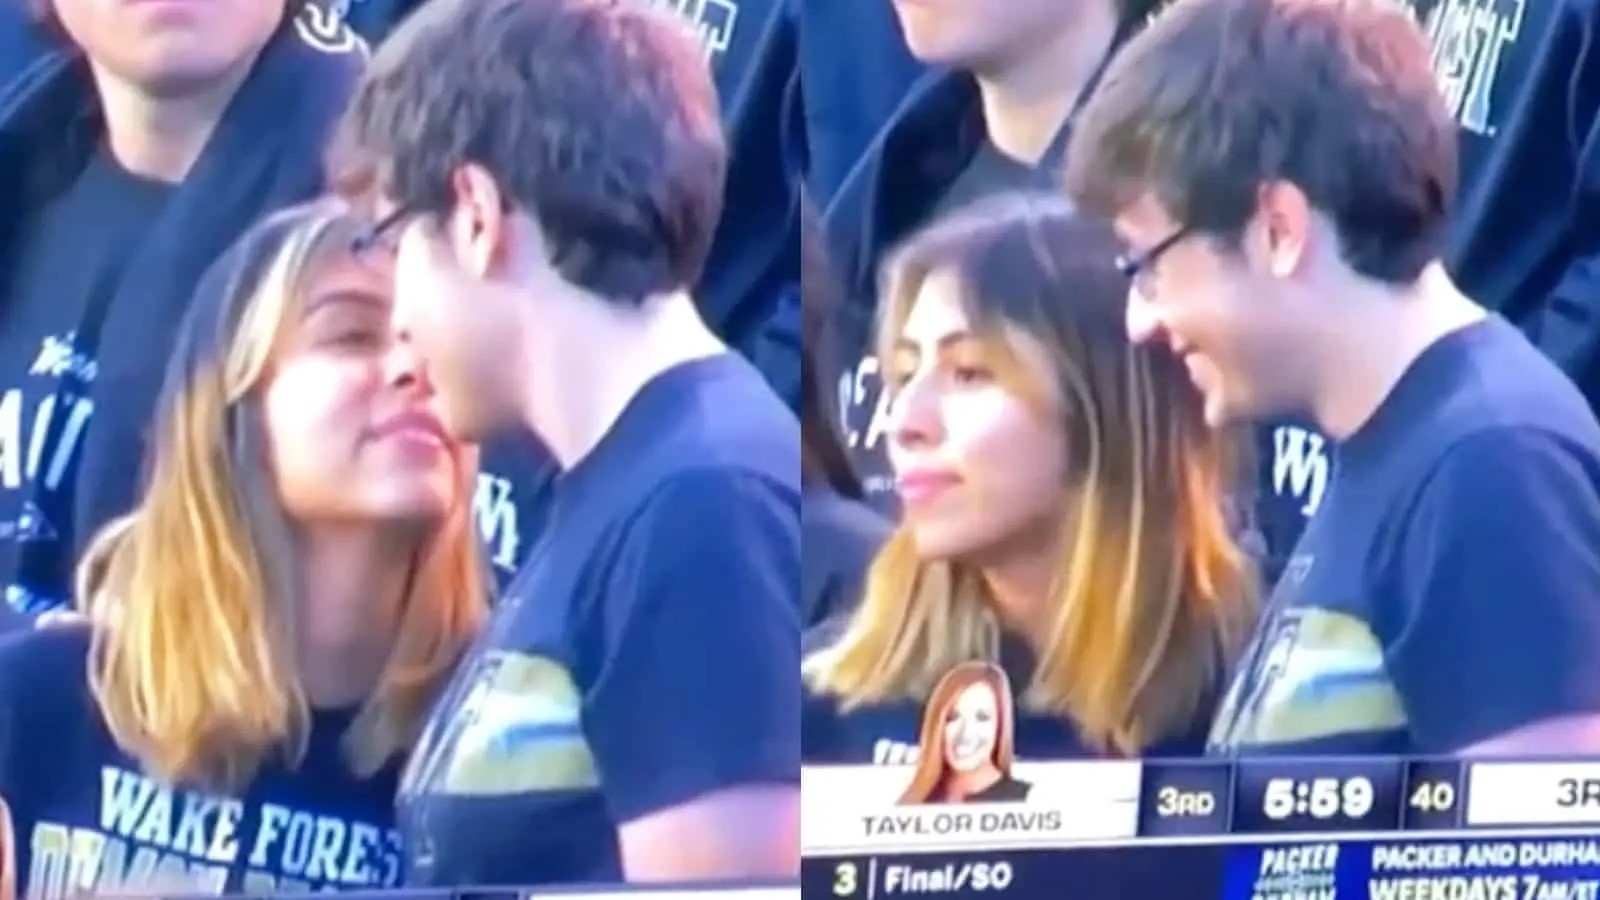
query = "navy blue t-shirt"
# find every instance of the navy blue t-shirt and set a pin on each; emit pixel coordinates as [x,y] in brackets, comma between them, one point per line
[646,656]
[1448,590]
[69,256]
[87,820]
[887,734]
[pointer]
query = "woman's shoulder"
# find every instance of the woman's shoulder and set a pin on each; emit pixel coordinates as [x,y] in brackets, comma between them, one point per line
[43,679]
[42,672]
[38,658]
[861,735]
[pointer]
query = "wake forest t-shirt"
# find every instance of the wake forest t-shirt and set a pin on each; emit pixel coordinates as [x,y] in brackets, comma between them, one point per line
[1448,590]
[87,821]
[69,257]
[645,657]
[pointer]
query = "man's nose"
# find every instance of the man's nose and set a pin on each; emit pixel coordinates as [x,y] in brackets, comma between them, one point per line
[404,366]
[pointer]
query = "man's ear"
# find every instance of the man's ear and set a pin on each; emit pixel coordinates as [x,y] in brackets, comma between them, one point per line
[479,224]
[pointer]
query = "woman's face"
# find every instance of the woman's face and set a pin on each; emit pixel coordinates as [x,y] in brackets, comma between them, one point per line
[971,728]
[351,435]
[978,466]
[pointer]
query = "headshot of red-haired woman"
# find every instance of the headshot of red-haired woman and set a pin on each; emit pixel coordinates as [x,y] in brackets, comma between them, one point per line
[1064,507]
[967,740]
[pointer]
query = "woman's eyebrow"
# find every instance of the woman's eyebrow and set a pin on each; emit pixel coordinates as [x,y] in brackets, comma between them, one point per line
[346,296]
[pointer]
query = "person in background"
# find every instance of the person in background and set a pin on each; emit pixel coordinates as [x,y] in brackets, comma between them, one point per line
[1103,580]
[1523,82]
[749,288]
[270,623]
[1285,170]
[839,531]
[855,71]
[132,156]
[992,118]
[551,175]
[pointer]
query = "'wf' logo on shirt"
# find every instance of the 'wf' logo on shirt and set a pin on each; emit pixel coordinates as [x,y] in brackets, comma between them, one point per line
[496,511]
[1300,466]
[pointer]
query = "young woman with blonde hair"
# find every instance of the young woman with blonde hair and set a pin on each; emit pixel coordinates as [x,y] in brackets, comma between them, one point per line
[266,630]
[1064,506]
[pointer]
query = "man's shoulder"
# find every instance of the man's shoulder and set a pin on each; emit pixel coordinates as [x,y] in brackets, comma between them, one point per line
[725,431]
[1498,399]
[717,411]
[1503,383]
[717,504]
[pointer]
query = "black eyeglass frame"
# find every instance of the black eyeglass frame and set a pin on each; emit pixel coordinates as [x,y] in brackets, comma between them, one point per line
[1131,265]
[381,230]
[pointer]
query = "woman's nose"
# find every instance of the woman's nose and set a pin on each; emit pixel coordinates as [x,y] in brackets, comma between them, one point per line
[914,419]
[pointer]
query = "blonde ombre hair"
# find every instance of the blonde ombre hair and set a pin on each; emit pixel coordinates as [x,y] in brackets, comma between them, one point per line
[192,661]
[1151,598]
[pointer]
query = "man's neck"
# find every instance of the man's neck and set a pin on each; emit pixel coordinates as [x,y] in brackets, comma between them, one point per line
[1026,101]
[592,381]
[161,137]
[349,602]
[1368,353]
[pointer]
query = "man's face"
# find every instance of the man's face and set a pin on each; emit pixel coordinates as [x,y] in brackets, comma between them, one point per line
[465,326]
[1235,327]
[973,35]
[170,47]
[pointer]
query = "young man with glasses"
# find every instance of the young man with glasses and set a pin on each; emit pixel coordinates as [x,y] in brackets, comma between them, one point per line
[1287,166]
[553,176]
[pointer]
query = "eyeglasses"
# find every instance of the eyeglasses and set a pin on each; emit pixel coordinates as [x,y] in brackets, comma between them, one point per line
[384,233]
[1137,266]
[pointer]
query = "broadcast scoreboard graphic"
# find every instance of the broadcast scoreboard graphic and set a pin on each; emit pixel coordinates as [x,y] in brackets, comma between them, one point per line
[1254,830]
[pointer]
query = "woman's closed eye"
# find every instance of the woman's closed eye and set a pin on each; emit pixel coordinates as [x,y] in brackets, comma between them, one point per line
[971,374]
[358,337]
[349,326]
[348,319]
